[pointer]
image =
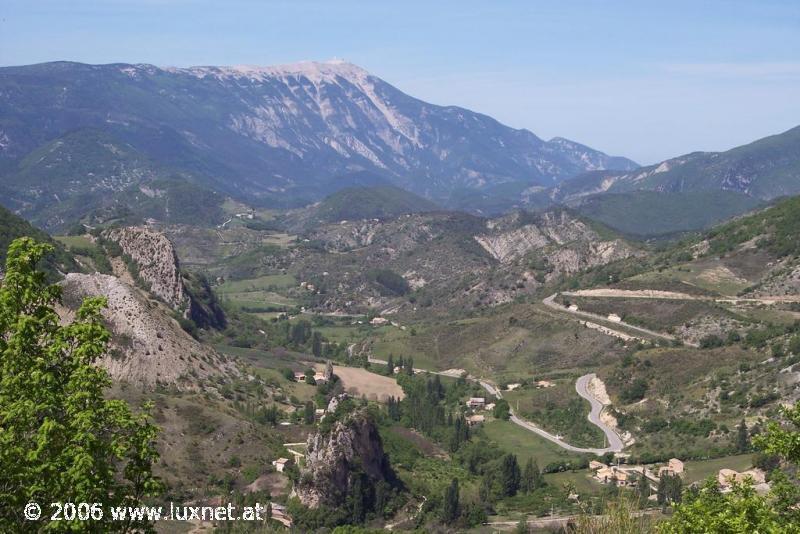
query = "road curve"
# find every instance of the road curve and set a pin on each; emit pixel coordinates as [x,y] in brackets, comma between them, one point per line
[615,443]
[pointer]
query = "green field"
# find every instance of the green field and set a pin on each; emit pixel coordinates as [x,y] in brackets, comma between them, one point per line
[75,241]
[258,292]
[269,282]
[526,444]
[697,470]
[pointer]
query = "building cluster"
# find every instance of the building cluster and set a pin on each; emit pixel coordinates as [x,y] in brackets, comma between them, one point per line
[628,475]
[478,403]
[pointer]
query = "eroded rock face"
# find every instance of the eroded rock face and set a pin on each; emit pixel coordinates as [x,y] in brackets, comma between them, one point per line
[156,259]
[351,448]
[148,347]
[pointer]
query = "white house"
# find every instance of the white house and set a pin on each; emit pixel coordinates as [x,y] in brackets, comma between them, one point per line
[280,464]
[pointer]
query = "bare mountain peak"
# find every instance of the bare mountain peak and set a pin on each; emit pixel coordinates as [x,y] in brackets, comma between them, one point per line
[315,71]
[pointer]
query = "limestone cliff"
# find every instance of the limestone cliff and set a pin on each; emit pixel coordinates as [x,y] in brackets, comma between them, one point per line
[156,260]
[350,449]
[159,268]
[148,347]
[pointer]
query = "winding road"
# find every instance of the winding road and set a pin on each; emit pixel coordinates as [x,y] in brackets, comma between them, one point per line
[615,443]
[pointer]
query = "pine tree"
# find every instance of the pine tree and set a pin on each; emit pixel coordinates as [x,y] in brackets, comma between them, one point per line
[316,344]
[308,413]
[643,489]
[450,505]
[531,477]
[390,366]
[509,475]
[742,437]
[61,439]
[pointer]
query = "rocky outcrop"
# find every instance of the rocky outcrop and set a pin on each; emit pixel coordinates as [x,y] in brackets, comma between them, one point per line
[567,242]
[156,261]
[158,267]
[148,347]
[350,449]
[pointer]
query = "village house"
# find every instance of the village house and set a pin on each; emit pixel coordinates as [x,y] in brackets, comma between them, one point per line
[613,474]
[320,378]
[544,384]
[299,376]
[280,464]
[673,467]
[476,402]
[512,387]
[573,307]
[379,321]
[489,407]
[473,420]
[614,318]
[594,465]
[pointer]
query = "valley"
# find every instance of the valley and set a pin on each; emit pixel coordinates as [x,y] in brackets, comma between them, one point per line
[376,313]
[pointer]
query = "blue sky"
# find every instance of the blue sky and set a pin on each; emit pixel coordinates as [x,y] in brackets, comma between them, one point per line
[643,79]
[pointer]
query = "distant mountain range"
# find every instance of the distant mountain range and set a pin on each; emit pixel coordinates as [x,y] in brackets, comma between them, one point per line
[282,136]
[689,192]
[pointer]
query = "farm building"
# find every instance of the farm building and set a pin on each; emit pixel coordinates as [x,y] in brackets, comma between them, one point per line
[476,402]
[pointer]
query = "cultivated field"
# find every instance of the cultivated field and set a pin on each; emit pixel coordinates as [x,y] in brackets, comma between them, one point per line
[358,382]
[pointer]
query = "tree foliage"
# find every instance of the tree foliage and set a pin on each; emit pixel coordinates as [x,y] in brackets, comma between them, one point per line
[61,440]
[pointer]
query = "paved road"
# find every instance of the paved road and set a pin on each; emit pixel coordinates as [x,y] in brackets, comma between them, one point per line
[549,302]
[615,443]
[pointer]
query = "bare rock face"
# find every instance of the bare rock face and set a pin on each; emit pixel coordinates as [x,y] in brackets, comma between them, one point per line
[157,262]
[352,448]
[148,347]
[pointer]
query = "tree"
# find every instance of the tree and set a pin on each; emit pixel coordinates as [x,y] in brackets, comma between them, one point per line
[308,413]
[531,477]
[782,441]
[316,344]
[509,475]
[709,510]
[742,437]
[390,366]
[670,488]
[522,527]
[61,440]
[742,509]
[502,410]
[643,489]
[450,504]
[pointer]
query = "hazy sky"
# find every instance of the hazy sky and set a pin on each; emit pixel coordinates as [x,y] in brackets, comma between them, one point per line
[643,79]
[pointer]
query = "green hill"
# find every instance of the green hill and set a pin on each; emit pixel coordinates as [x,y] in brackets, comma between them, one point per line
[379,202]
[88,171]
[653,214]
[12,227]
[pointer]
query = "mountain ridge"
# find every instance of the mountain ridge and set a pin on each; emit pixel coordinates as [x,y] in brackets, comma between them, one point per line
[280,135]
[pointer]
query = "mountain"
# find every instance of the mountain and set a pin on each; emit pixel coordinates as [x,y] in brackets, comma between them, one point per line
[285,135]
[765,169]
[685,193]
